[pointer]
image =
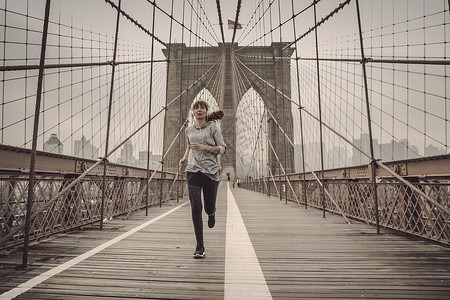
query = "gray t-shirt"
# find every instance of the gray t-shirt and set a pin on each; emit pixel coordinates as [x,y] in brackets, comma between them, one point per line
[202,160]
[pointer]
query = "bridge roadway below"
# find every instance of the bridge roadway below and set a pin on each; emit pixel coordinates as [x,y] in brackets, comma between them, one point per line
[260,248]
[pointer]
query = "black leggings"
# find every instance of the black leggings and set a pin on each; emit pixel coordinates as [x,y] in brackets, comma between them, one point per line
[196,182]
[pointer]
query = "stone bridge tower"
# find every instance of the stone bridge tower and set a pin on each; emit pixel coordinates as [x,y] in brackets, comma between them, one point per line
[202,67]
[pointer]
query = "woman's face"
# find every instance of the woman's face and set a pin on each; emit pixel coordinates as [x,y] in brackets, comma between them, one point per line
[200,112]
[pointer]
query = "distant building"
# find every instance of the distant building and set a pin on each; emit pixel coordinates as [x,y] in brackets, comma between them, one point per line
[364,144]
[154,160]
[53,144]
[126,154]
[312,157]
[337,157]
[431,150]
[83,148]
[127,157]
[298,164]
[398,150]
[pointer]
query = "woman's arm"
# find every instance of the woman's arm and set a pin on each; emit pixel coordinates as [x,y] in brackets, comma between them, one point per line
[185,157]
[212,149]
[219,141]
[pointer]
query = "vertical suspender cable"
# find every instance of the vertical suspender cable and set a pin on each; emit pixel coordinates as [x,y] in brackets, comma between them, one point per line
[108,127]
[373,161]
[219,12]
[267,125]
[147,186]
[322,196]
[183,117]
[35,135]
[189,62]
[238,9]
[169,48]
[300,111]
[4,64]
[26,75]
[275,106]
[283,102]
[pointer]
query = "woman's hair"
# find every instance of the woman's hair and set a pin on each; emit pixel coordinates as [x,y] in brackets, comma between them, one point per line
[215,115]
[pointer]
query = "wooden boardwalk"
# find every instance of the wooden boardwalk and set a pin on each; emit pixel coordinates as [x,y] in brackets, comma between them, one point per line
[300,255]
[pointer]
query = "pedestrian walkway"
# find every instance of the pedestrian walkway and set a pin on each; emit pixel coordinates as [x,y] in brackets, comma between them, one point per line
[260,248]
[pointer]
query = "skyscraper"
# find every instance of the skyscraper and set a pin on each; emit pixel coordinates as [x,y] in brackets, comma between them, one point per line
[126,154]
[53,144]
[83,148]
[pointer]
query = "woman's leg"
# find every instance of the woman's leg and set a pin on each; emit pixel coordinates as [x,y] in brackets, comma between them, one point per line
[210,194]
[194,187]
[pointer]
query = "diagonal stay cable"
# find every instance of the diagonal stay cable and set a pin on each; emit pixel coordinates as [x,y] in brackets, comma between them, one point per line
[139,198]
[292,144]
[260,18]
[304,109]
[165,107]
[169,148]
[278,26]
[207,84]
[205,26]
[217,80]
[238,9]
[240,74]
[179,23]
[284,171]
[101,160]
[273,180]
[242,84]
[219,13]
[314,173]
[135,22]
[446,210]
[323,20]
[250,20]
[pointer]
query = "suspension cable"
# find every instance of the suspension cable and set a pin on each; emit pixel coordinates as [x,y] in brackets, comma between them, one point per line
[238,9]
[323,20]
[290,141]
[219,13]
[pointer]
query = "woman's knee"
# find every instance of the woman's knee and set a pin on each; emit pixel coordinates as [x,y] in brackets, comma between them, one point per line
[195,194]
[210,200]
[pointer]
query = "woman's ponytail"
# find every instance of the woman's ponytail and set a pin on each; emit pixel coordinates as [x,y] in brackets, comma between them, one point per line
[215,115]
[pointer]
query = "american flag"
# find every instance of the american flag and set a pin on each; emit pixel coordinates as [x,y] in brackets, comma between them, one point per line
[231,25]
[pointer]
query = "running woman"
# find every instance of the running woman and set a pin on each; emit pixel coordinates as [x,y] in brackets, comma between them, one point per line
[204,144]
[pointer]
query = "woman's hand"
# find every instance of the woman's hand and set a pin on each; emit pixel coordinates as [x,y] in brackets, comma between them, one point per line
[212,149]
[182,162]
[198,147]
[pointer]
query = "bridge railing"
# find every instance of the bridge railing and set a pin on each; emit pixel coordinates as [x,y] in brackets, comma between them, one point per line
[82,203]
[399,206]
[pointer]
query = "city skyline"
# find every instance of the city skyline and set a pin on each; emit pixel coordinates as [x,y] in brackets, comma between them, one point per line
[339,155]
[83,148]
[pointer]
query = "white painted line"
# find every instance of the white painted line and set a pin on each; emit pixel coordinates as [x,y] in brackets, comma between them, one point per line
[22,288]
[243,275]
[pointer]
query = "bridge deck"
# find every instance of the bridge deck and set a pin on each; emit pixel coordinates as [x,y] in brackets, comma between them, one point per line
[300,254]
